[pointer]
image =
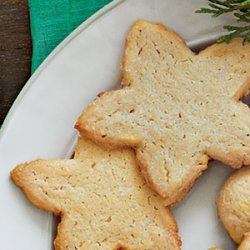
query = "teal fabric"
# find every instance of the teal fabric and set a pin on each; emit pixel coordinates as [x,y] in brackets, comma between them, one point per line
[52,20]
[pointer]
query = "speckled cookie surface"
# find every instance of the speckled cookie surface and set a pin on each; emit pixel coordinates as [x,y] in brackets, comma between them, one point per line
[233,204]
[176,109]
[103,201]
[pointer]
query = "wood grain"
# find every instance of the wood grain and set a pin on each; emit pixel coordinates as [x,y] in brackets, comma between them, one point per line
[15,51]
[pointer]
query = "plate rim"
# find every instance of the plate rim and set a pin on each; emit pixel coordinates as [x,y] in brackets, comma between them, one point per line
[81,28]
[25,89]
[85,24]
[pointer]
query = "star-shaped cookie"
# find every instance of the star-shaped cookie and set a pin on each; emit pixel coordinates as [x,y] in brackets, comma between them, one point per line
[177,109]
[102,199]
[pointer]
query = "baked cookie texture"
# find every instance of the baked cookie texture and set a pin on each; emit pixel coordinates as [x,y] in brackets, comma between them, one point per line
[176,109]
[245,244]
[103,201]
[233,204]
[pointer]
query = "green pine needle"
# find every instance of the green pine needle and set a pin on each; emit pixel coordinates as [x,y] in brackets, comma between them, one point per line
[241,11]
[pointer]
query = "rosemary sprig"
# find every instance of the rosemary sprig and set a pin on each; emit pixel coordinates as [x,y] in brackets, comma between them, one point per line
[241,11]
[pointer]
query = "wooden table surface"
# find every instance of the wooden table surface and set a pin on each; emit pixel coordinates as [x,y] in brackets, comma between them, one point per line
[15,51]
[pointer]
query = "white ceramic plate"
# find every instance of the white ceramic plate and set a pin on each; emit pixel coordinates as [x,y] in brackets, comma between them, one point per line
[40,123]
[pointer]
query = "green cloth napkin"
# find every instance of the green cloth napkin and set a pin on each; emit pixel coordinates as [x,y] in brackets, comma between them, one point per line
[52,20]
